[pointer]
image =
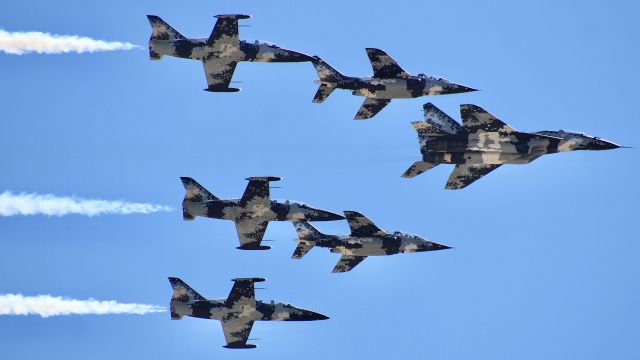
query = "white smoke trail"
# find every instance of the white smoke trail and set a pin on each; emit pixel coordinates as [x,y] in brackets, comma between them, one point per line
[35,204]
[18,43]
[46,305]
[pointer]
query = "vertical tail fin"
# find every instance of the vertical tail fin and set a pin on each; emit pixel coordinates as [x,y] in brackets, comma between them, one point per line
[439,120]
[307,231]
[325,71]
[195,193]
[160,30]
[307,237]
[182,293]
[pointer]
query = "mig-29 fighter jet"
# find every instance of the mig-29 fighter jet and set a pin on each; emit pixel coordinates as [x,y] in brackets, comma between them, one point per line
[366,239]
[251,213]
[237,313]
[389,81]
[483,143]
[220,53]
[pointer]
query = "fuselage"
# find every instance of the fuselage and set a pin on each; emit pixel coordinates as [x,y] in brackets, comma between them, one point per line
[217,310]
[276,211]
[494,148]
[196,49]
[394,88]
[396,243]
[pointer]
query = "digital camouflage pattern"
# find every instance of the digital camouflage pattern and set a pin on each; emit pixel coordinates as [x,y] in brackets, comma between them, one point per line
[251,213]
[236,313]
[366,239]
[220,53]
[482,143]
[389,81]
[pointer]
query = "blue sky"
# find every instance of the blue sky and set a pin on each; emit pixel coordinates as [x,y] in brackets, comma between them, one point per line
[545,259]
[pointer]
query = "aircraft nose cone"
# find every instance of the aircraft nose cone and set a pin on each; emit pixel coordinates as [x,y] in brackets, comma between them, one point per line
[457,89]
[602,145]
[306,315]
[431,246]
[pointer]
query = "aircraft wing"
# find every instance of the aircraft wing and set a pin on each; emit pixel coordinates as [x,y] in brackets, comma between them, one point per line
[219,71]
[348,262]
[384,66]
[242,293]
[361,226]
[236,332]
[464,175]
[370,107]
[257,192]
[250,233]
[223,53]
[475,118]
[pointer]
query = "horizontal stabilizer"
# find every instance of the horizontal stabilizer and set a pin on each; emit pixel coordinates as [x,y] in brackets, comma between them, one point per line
[323,92]
[301,250]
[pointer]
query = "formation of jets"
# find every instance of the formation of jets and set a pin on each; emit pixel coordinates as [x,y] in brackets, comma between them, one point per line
[480,145]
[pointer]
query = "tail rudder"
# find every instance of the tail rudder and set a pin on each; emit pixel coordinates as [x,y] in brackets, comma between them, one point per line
[307,231]
[307,237]
[194,193]
[440,121]
[160,30]
[325,71]
[182,293]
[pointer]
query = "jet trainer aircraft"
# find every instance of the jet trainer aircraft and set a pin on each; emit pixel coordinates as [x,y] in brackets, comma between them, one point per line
[251,213]
[237,313]
[389,81]
[220,53]
[483,143]
[366,239]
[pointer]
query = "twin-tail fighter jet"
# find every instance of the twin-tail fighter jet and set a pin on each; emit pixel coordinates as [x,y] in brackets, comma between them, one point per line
[483,143]
[220,53]
[251,213]
[389,81]
[366,239]
[237,313]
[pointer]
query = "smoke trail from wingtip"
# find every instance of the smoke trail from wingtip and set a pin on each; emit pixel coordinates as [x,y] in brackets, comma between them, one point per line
[48,204]
[19,43]
[46,305]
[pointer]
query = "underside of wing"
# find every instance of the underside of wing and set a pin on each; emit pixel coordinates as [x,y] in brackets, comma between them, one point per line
[384,66]
[348,262]
[219,71]
[475,118]
[236,333]
[361,226]
[250,234]
[370,107]
[464,174]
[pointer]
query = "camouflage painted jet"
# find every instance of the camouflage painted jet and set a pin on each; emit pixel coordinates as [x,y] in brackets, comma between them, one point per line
[389,81]
[483,143]
[237,313]
[251,213]
[366,239]
[220,53]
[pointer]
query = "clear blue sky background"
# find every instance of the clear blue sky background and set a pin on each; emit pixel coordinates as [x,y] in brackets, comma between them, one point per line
[545,264]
